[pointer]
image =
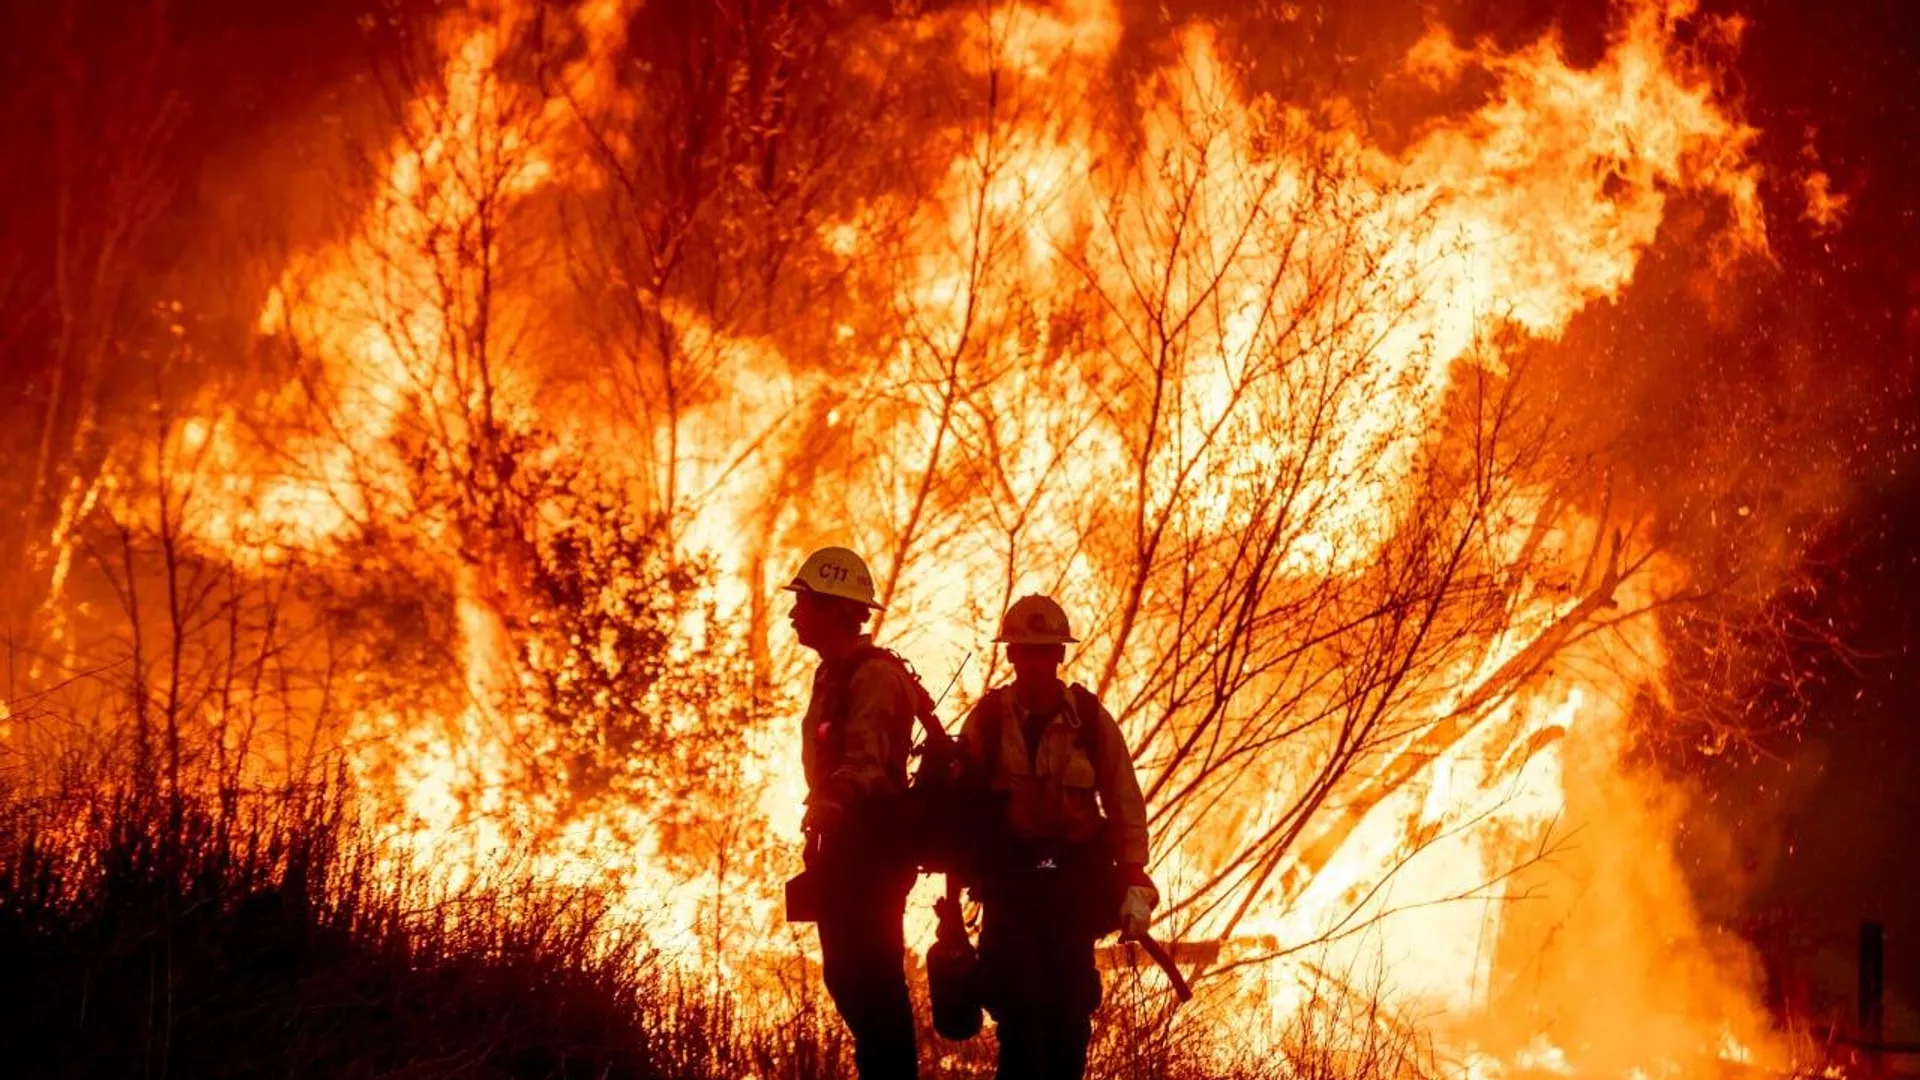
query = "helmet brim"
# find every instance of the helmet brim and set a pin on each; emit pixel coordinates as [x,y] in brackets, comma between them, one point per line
[798,586]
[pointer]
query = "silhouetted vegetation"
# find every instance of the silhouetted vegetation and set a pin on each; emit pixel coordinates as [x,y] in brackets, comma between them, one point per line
[151,937]
[261,936]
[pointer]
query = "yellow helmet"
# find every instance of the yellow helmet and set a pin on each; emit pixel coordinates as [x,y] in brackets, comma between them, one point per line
[835,571]
[1035,620]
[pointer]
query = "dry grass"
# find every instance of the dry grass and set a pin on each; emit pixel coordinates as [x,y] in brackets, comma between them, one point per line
[149,936]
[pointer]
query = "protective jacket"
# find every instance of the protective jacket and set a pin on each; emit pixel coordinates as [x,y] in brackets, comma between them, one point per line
[1057,789]
[858,729]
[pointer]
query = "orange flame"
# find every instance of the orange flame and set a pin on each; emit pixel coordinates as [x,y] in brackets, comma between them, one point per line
[1064,275]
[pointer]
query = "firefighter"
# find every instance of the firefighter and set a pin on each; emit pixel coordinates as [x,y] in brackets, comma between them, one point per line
[858,727]
[1067,862]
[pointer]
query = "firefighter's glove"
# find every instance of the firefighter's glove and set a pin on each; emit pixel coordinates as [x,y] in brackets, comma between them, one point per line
[823,818]
[1136,907]
[1136,912]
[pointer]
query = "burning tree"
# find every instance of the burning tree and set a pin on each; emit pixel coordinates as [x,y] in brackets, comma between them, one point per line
[643,303]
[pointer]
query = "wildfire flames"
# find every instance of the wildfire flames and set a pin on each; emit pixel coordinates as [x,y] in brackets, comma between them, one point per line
[1242,379]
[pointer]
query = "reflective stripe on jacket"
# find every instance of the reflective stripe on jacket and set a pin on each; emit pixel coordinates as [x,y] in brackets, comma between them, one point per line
[1059,791]
[867,755]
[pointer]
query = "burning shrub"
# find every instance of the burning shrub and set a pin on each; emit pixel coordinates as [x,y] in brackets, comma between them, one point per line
[633,705]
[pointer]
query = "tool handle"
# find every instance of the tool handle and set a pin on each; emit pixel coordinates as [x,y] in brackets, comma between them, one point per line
[1158,954]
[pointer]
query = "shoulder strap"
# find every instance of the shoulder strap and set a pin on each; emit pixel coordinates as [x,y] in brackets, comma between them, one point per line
[993,724]
[1087,708]
[843,674]
[839,685]
[923,702]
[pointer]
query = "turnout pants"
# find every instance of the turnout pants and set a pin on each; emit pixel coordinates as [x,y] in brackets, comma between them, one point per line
[1038,927]
[862,952]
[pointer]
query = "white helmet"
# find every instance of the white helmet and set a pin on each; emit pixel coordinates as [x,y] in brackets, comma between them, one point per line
[1035,620]
[835,571]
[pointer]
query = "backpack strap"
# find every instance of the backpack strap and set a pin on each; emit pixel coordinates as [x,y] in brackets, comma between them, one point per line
[841,687]
[995,722]
[1086,709]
